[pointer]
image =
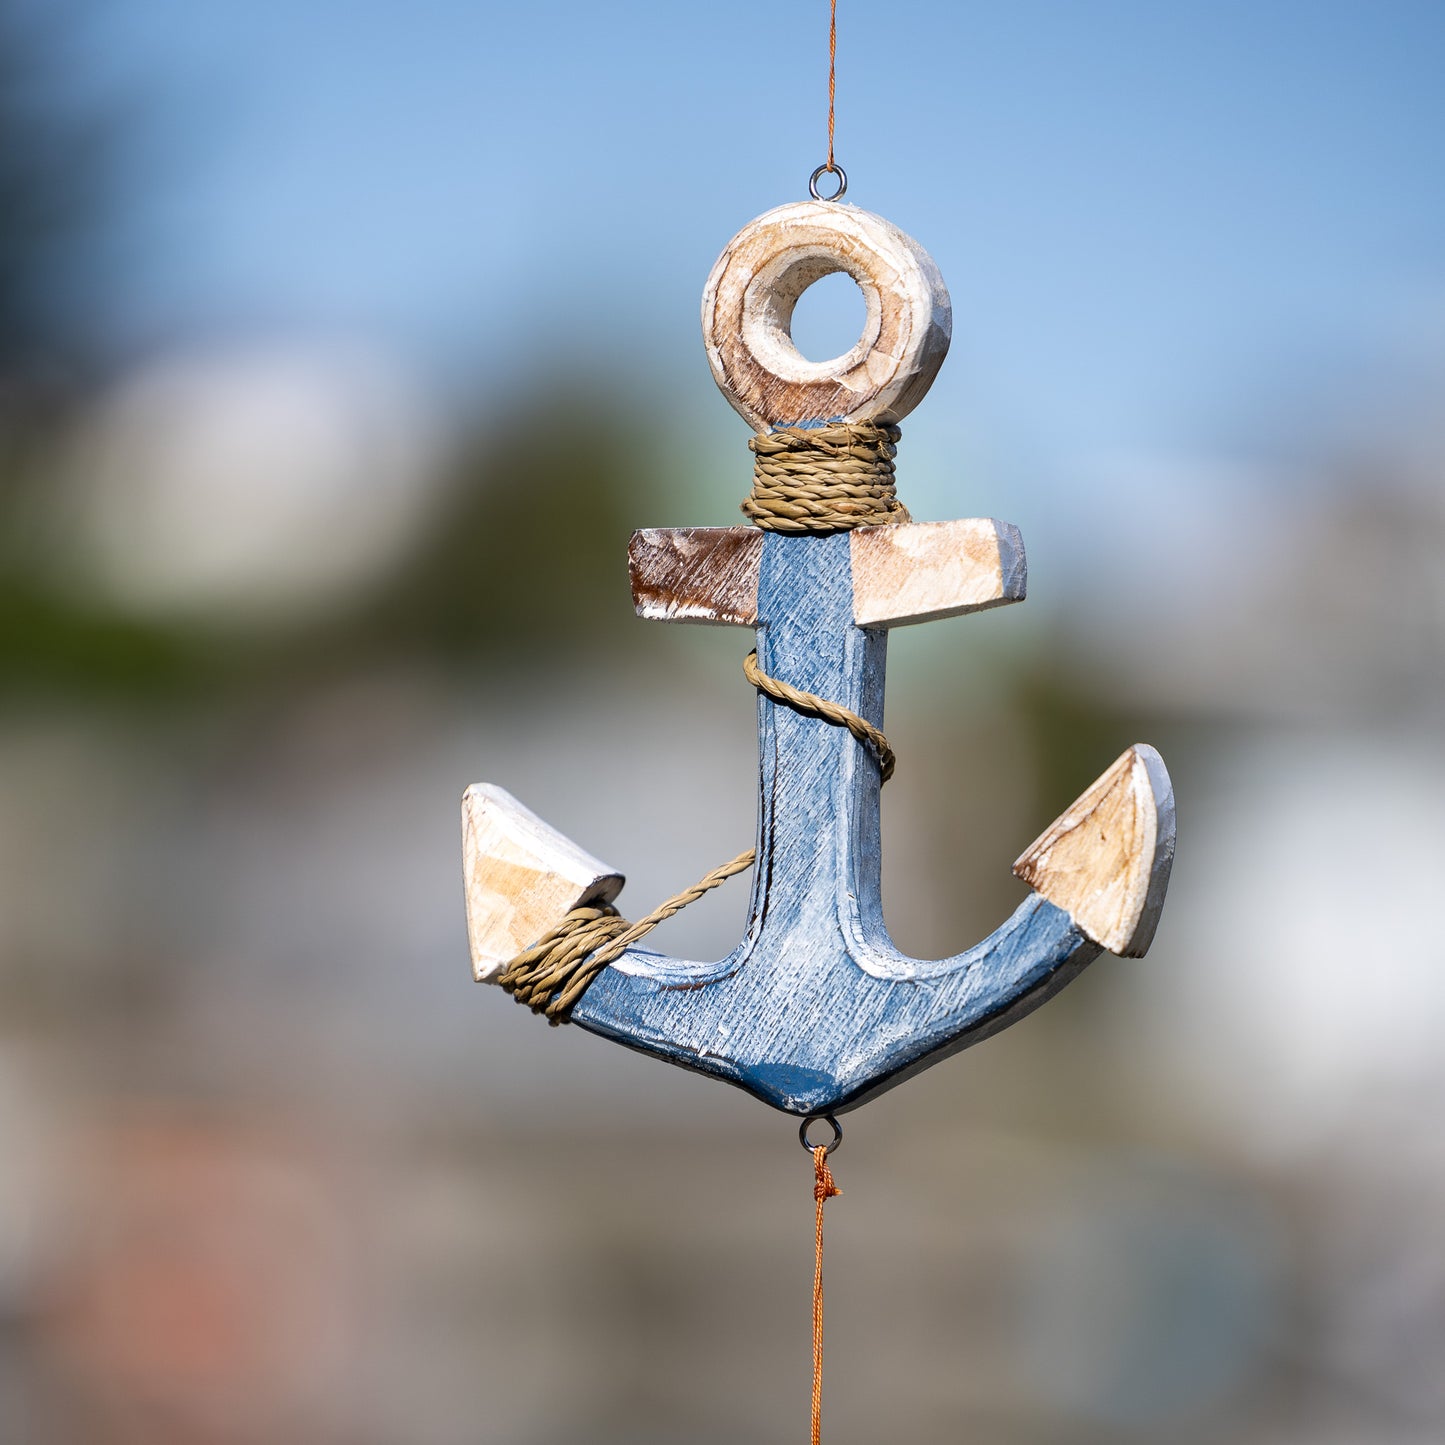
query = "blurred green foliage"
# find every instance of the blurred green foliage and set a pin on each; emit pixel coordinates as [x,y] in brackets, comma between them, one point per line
[525,558]
[530,554]
[52,643]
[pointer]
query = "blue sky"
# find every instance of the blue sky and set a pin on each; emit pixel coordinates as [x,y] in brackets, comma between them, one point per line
[1160,222]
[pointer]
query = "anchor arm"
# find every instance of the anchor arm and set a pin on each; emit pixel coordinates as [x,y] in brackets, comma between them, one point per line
[820,1012]
[815,1029]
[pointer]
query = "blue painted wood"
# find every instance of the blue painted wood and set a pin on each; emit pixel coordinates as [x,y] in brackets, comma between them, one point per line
[816,1011]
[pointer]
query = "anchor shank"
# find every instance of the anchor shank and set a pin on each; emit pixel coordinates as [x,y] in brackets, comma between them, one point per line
[818,844]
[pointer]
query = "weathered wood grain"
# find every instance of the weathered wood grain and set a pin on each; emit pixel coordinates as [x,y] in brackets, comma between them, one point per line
[1105,861]
[696,574]
[902,574]
[521,877]
[747,314]
[922,570]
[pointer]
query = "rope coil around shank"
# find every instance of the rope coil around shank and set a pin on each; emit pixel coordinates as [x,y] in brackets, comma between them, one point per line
[810,480]
[835,713]
[824,479]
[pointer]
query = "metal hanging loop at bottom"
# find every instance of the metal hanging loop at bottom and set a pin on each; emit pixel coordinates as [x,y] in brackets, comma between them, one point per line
[827,1119]
[817,175]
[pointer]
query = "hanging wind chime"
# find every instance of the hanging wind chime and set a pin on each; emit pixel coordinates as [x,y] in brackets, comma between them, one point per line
[816,1011]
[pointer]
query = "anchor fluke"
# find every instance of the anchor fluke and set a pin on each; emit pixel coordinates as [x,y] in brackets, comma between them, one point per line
[522,877]
[1105,861]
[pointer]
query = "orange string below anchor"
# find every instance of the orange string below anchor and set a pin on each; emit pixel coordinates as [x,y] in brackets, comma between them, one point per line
[823,1190]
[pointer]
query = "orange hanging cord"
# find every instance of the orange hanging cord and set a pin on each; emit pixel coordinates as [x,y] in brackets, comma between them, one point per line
[832,75]
[823,1190]
[830,166]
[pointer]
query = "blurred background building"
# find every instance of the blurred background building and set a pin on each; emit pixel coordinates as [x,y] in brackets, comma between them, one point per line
[341,348]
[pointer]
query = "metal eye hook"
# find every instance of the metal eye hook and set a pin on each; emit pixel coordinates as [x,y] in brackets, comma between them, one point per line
[838,171]
[812,1119]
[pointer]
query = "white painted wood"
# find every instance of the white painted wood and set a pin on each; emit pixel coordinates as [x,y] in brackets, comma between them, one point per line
[1105,861]
[921,570]
[747,313]
[696,574]
[522,877]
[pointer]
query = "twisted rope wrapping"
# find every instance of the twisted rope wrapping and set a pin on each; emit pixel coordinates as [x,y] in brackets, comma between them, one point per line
[809,702]
[805,480]
[824,479]
[551,975]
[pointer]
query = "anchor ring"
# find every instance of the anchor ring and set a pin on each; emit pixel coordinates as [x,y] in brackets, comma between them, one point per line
[818,174]
[747,318]
[820,1119]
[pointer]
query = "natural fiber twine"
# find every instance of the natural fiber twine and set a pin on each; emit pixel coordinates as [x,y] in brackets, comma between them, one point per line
[824,479]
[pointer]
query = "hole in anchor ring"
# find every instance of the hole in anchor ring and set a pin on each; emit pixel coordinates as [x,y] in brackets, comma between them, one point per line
[808,1123]
[825,168]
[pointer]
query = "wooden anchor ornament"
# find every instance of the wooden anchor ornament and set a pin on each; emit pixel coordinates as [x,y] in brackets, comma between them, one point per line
[815,1010]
